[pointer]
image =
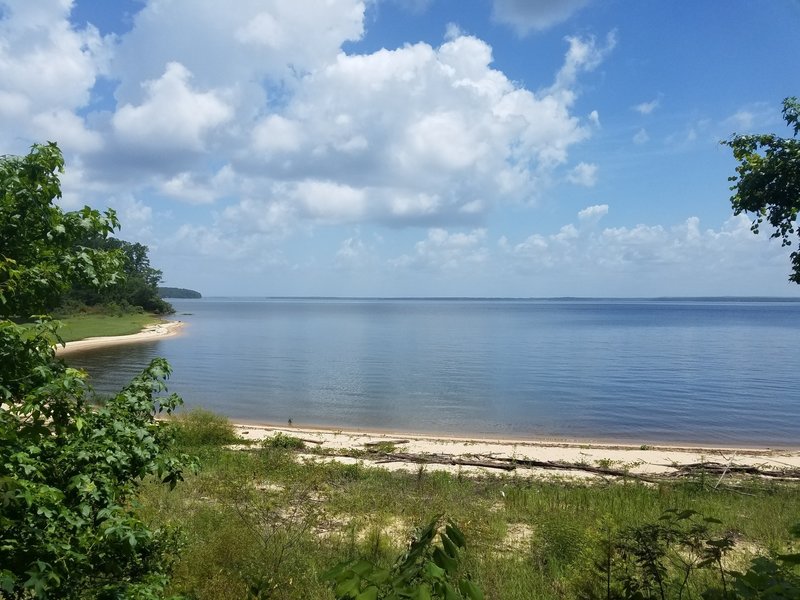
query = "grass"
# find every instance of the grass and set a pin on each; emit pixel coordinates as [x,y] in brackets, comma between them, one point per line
[80,327]
[258,523]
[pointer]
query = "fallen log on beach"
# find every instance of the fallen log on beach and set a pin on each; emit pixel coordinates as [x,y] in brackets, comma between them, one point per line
[511,464]
[442,459]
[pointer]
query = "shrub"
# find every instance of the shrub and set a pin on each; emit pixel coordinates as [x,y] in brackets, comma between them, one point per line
[200,427]
[286,442]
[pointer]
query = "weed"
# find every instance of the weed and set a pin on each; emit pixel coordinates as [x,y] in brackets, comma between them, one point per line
[200,427]
[281,440]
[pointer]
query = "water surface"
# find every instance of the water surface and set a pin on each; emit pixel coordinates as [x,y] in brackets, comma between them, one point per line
[640,371]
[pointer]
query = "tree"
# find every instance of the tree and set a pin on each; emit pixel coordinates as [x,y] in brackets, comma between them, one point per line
[69,470]
[767,180]
[138,286]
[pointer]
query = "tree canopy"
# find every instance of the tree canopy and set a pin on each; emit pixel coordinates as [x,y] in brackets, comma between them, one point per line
[68,469]
[767,180]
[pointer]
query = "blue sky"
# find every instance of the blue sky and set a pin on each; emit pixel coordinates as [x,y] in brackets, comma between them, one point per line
[411,147]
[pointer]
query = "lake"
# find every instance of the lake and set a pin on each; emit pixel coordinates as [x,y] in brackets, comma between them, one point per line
[637,371]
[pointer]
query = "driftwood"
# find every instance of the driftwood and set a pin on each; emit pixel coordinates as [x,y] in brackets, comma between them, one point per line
[385,442]
[712,468]
[443,459]
[511,464]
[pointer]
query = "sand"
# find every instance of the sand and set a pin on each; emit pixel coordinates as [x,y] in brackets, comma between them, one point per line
[646,461]
[148,334]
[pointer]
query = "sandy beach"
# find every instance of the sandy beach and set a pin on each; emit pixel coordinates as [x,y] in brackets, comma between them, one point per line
[148,334]
[408,452]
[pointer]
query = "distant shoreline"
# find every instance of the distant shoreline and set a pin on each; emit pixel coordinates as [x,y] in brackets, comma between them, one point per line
[148,334]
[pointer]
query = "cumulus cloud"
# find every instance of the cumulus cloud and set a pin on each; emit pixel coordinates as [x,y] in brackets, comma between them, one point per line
[425,135]
[584,174]
[627,256]
[525,16]
[305,132]
[645,108]
[593,213]
[172,115]
[445,251]
[47,71]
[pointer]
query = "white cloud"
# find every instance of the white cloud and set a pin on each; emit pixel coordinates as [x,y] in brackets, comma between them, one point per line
[172,114]
[47,71]
[258,40]
[424,135]
[525,16]
[584,54]
[593,213]
[445,251]
[641,137]
[649,259]
[199,189]
[584,174]
[645,108]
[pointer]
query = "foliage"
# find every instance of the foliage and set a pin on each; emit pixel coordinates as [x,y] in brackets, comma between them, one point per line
[678,554]
[68,470]
[138,288]
[281,440]
[174,292]
[425,570]
[200,427]
[767,180]
[40,251]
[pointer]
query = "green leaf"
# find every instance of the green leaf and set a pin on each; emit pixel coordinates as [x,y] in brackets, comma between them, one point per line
[371,593]
[470,590]
[444,561]
[455,534]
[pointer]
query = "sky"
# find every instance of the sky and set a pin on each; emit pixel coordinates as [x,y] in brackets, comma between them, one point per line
[483,148]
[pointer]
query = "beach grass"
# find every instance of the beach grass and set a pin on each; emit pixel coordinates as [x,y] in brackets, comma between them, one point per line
[79,327]
[260,521]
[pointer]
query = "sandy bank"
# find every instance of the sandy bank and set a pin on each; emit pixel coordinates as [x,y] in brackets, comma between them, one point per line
[638,460]
[148,334]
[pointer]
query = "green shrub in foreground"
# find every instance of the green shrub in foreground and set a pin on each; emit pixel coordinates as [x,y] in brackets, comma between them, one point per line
[200,427]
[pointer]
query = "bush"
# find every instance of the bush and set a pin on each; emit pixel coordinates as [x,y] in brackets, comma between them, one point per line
[286,442]
[200,427]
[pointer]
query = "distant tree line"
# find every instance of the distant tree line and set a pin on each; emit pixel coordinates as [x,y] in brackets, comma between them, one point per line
[175,292]
[137,288]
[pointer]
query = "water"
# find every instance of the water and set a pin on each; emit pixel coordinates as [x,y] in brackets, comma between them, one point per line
[721,372]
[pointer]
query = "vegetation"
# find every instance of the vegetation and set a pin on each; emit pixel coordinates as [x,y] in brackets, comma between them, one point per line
[264,523]
[767,180]
[86,325]
[136,289]
[174,292]
[69,471]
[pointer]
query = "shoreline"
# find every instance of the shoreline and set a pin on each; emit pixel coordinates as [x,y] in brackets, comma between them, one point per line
[462,454]
[520,439]
[149,333]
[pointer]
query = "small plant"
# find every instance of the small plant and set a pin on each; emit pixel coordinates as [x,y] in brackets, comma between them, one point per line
[382,447]
[200,427]
[286,442]
[425,570]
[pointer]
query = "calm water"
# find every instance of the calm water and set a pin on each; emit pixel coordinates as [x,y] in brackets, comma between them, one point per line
[638,371]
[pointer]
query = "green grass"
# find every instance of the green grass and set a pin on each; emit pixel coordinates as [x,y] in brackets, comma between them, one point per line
[261,520]
[80,327]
